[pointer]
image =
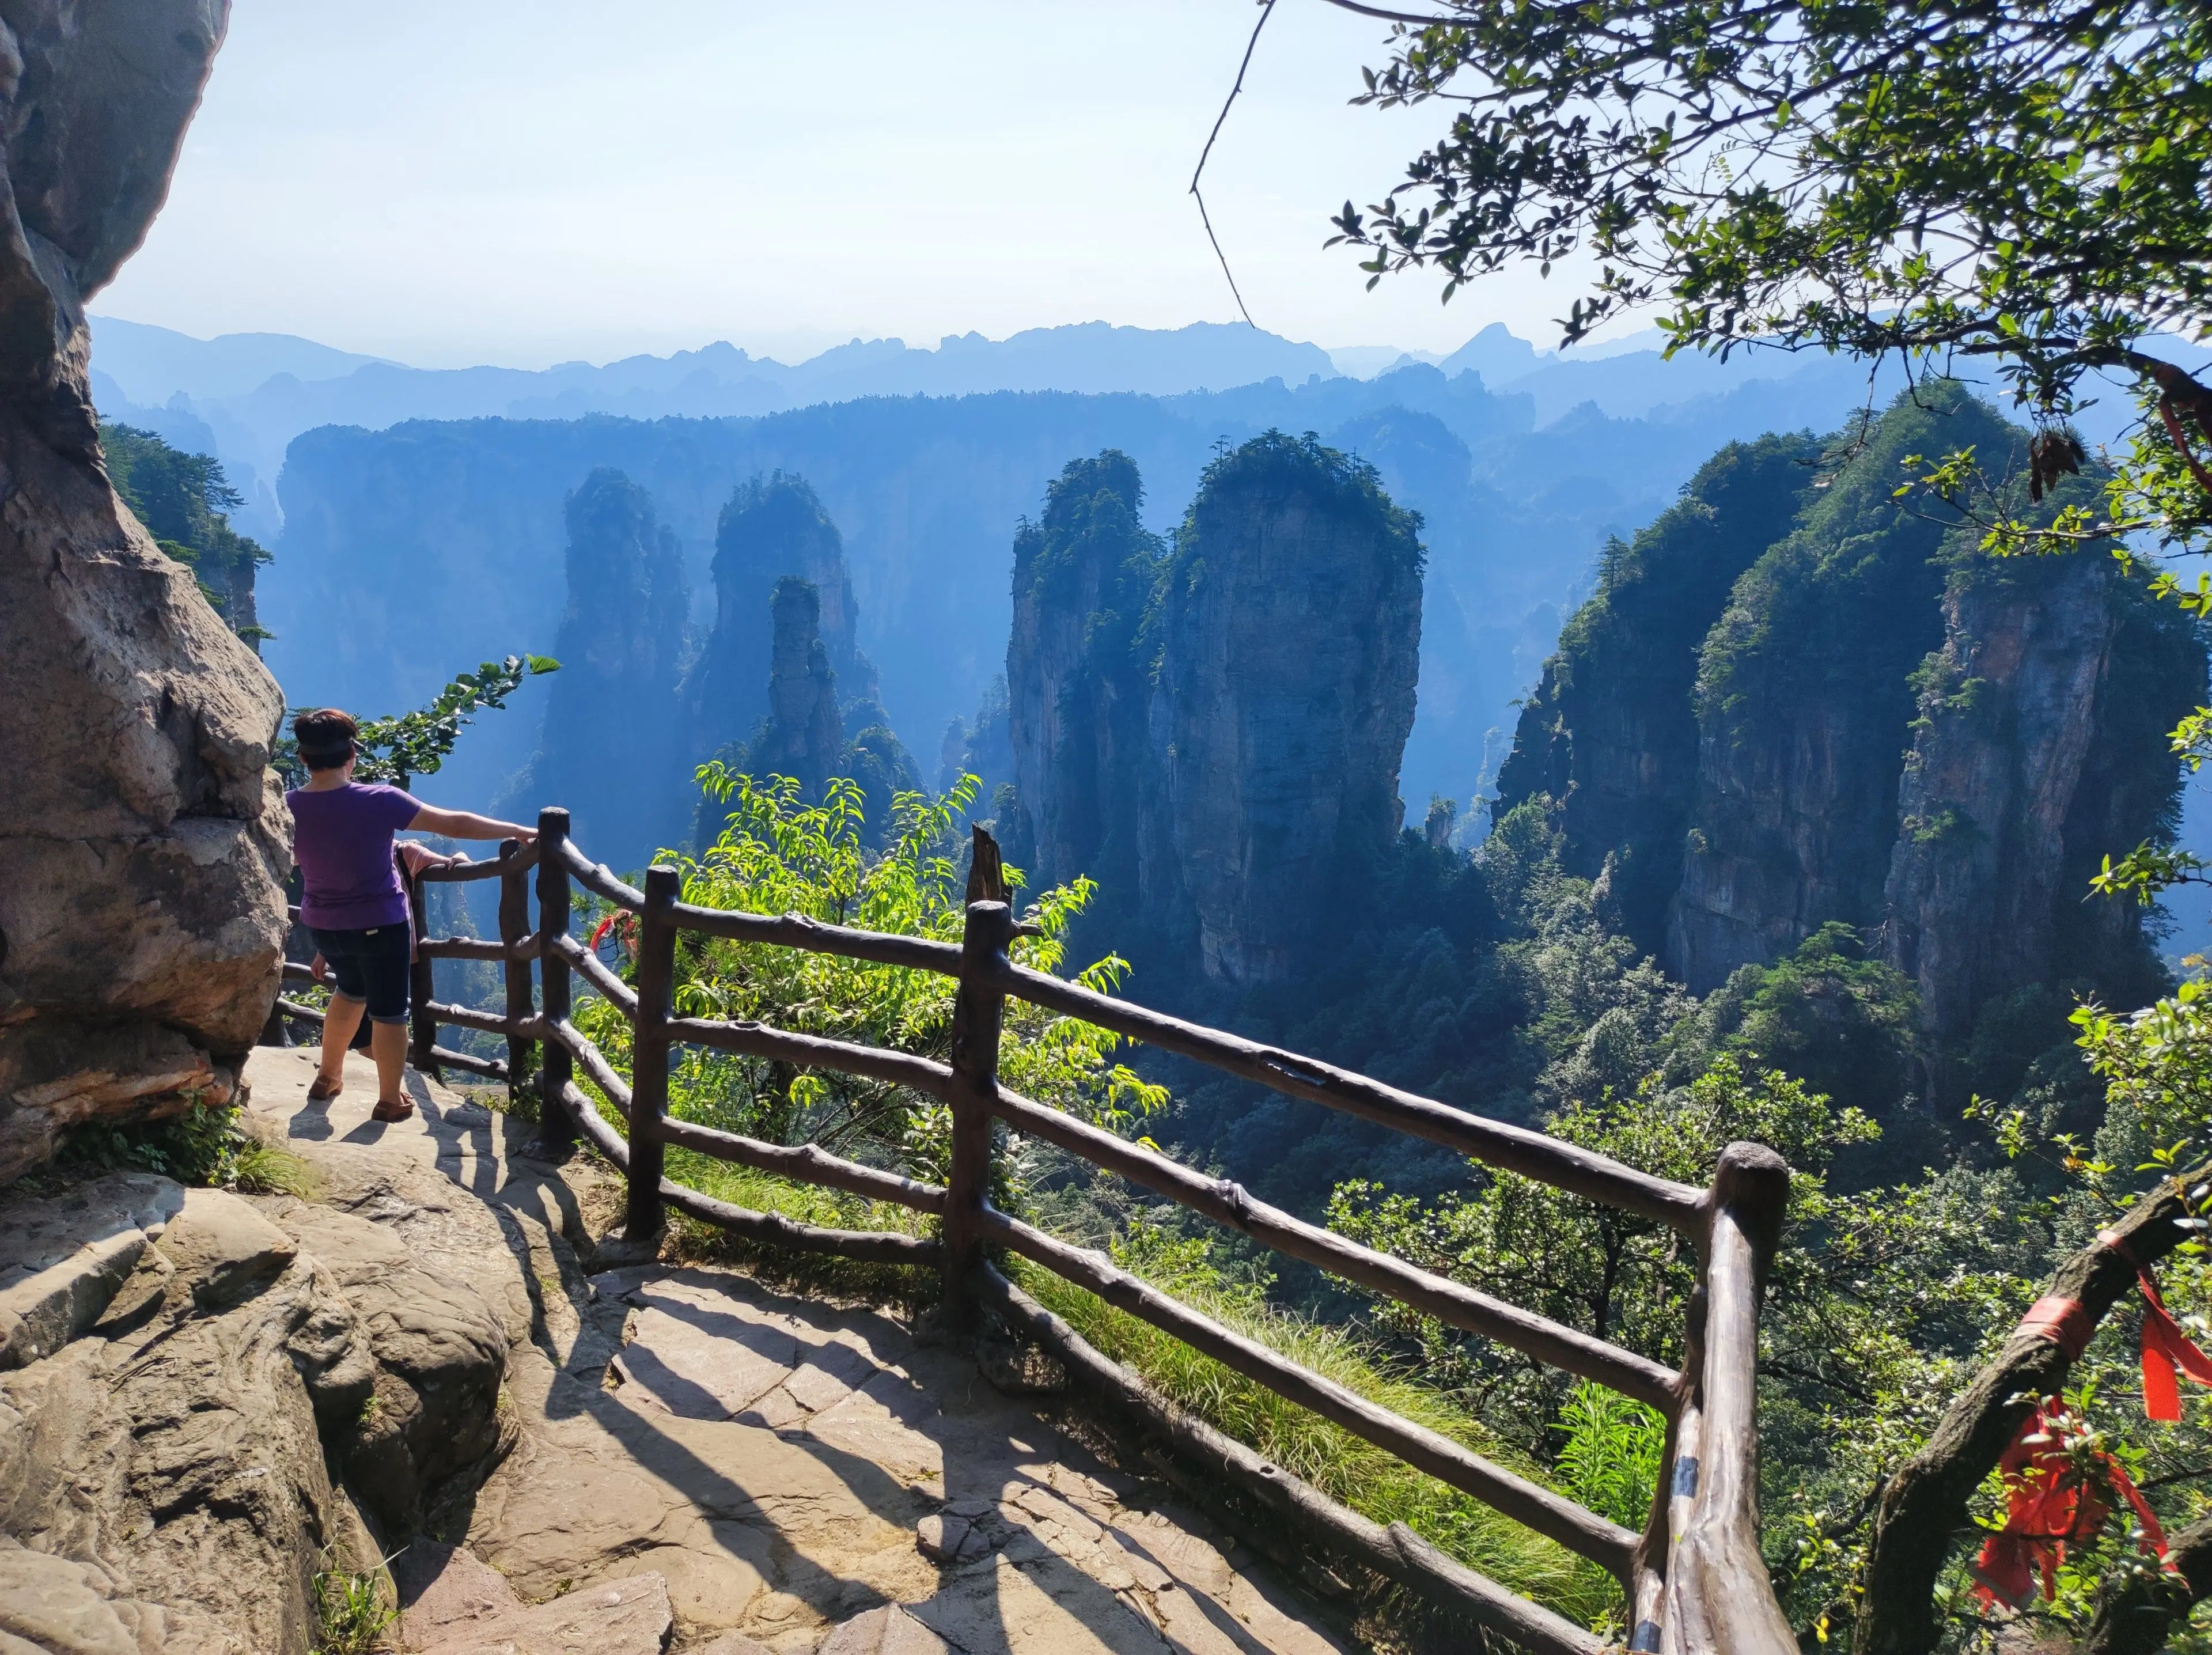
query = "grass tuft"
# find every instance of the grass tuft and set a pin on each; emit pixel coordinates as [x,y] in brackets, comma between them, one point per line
[351,1612]
[262,1168]
[1348,1469]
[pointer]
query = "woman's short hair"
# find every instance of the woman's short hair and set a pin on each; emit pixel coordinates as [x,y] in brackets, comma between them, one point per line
[325,738]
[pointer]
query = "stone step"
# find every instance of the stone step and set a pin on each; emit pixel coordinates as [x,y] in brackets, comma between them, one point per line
[63,1257]
[452,1604]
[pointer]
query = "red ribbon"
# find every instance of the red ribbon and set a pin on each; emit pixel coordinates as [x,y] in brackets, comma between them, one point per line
[2052,1503]
[2167,1352]
[2065,1322]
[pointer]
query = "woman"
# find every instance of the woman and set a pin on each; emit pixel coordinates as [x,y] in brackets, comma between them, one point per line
[352,901]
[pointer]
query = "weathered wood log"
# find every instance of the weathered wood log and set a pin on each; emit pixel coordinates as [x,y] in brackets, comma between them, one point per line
[816,1051]
[555,1131]
[797,931]
[869,1246]
[643,1218]
[1213,1460]
[805,1163]
[293,1008]
[460,872]
[978,1013]
[588,966]
[599,879]
[1669,1512]
[421,985]
[2138,1619]
[1718,1596]
[446,1058]
[513,929]
[467,1016]
[477,948]
[576,1046]
[1228,1203]
[593,1126]
[1923,1508]
[1567,1166]
[1604,1543]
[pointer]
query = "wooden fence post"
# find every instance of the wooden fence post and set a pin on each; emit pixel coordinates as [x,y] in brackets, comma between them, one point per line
[1718,1595]
[421,988]
[556,1133]
[515,928]
[978,1013]
[649,1070]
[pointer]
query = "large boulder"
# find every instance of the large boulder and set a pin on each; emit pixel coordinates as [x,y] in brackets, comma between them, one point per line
[143,840]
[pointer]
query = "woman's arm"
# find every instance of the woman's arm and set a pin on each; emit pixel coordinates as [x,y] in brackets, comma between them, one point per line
[467,824]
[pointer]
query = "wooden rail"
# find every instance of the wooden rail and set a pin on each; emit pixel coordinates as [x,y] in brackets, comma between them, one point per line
[1694,1579]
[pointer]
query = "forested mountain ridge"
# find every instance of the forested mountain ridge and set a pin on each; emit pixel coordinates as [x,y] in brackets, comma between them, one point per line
[186,502]
[1801,700]
[456,527]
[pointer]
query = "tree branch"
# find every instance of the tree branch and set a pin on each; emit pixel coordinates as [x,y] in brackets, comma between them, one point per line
[1926,1503]
[1267,10]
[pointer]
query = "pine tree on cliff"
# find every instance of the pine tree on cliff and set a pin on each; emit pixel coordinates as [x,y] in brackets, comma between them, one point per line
[1076,684]
[185,502]
[1288,632]
[613,747]
[771,527]
[1609,732]
[1805,705]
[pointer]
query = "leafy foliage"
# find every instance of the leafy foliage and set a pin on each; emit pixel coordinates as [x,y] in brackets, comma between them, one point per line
[1343,1466]
[399,748]
[2023,183]
[778,854]
[351,1610]
[185,502]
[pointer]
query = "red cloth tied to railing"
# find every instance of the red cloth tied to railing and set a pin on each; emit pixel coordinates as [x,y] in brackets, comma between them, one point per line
[2057,1497]
[621,927]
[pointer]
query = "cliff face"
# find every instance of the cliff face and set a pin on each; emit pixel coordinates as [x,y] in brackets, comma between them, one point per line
[185,501]
[805,736]
[141,919]
[2038,749]
[1290,629]
[1610,732]
[1804,701]
[772,527]
[1214,733]
[613,746]
[1076,684]
[1885,728]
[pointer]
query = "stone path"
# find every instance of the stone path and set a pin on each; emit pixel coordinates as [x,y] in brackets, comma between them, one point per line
[803,1478]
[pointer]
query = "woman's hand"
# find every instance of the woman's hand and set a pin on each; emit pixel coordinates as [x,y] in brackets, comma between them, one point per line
[418,857]
[320,967]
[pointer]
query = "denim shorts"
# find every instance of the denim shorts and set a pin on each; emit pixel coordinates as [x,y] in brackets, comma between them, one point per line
[372,965]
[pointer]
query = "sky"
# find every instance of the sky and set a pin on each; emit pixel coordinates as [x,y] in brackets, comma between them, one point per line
[532,181]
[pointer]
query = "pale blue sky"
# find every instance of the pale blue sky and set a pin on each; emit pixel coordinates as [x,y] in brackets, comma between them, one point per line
[525,181]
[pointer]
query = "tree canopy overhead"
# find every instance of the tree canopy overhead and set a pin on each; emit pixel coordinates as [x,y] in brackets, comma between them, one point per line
[2021,181]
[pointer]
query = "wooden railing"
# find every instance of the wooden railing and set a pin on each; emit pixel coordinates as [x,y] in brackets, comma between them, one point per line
[1693,1578]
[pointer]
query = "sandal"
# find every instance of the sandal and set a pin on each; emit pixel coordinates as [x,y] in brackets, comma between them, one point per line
[320,1089]
[392,1111]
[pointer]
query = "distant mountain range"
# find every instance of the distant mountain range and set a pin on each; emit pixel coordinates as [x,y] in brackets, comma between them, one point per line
[1523,460]
[243,397]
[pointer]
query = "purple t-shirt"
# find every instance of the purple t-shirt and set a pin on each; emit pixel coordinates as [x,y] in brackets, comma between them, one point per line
[341,839]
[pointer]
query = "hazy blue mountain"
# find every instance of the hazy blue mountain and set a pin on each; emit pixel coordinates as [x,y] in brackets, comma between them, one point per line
[152,364]
[1495,354]
[439,541]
